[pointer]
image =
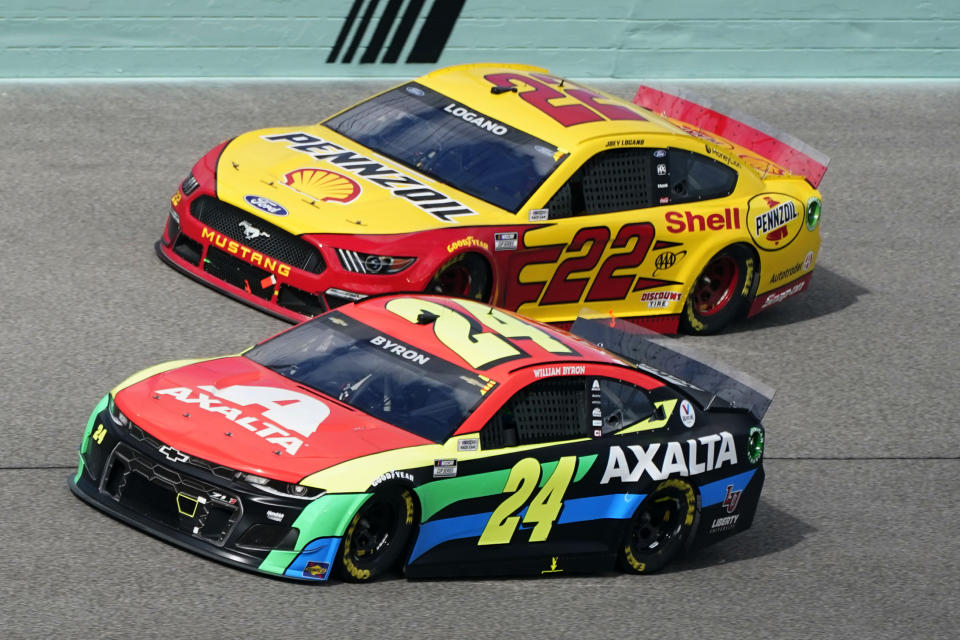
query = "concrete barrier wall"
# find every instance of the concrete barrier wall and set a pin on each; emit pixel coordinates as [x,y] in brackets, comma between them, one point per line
[401,38]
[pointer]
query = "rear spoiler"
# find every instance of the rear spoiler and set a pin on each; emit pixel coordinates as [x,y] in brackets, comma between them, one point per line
[708,381]
[752,134]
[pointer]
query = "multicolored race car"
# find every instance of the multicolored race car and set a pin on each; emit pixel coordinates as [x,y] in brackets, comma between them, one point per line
[508,185]
[441,436]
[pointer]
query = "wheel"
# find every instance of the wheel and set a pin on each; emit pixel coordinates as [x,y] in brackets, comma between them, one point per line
[721,291]
[660,528]
[377,536]
[465,276]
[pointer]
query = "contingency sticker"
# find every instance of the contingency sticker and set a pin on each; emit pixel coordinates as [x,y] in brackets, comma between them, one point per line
[468,444]
[505,241]
[444,468]
[687,416]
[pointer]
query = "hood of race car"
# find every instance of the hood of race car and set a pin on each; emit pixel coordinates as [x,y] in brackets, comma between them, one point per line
[236,413]
[312,180]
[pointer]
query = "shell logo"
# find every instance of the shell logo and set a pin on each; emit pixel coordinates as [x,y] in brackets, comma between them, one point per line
[323,185]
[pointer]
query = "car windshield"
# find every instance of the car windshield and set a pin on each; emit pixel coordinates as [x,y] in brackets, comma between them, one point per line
[449,141]
[375,373]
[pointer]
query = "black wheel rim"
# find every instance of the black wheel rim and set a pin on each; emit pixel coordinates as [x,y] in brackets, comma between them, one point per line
[716,286]
[375,530]
[657,525]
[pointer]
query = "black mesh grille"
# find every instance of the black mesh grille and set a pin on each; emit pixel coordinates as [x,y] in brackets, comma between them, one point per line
[617,181]
[561,204]
[553,409]
[501,431]
[170,498]
[269,239]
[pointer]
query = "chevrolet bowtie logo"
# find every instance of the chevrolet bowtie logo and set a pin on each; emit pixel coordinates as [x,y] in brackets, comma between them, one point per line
[172,454]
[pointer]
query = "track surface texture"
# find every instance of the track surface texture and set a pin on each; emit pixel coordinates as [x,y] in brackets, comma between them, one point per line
[856,533]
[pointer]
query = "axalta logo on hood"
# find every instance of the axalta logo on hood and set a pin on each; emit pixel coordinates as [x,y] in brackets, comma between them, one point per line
[774,220]
[269,412]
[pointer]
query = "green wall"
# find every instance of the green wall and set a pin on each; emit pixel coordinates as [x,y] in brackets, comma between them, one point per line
[612,38]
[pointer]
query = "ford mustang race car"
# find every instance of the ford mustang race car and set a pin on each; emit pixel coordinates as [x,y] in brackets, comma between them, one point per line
[508,185]
[441,436]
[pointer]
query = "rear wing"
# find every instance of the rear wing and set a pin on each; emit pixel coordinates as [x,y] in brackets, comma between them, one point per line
[708,381]
[754,135]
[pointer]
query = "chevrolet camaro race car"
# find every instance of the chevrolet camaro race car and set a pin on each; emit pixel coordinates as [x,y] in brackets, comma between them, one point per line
[508,185]
[441,436]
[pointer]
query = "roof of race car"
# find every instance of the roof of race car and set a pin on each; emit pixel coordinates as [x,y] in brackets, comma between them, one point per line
[473,85]
[487,340]
[196,408]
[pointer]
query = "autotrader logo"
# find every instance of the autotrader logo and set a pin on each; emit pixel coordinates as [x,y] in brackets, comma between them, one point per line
[431,39]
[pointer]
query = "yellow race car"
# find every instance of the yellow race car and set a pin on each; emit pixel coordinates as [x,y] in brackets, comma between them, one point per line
[506,184]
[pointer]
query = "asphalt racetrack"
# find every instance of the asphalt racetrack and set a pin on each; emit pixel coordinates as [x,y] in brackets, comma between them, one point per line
[856,534]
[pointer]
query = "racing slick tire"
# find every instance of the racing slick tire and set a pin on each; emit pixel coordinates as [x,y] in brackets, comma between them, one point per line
[660,528]
[721,292]
[464,276]
[377,536]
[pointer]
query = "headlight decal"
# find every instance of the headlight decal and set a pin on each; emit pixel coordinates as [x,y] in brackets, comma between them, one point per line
[371,263]
[280,488]
[189,185]
[115,414]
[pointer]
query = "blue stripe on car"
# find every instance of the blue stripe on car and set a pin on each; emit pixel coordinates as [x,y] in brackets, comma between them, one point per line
[714,492]
[617,506]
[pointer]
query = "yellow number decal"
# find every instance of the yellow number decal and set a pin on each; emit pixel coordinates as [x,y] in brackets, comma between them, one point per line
[453,329]
[521,483]
[510,327]
[546,505]
[99,434]
[543,510]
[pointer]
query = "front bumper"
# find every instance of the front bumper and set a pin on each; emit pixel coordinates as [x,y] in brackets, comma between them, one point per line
[279,273]
[202,507]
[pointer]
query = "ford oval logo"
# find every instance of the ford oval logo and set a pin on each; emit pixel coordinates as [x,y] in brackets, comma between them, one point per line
[266,205]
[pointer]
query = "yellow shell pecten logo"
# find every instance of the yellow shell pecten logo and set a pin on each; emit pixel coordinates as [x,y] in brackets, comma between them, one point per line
[323,185]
